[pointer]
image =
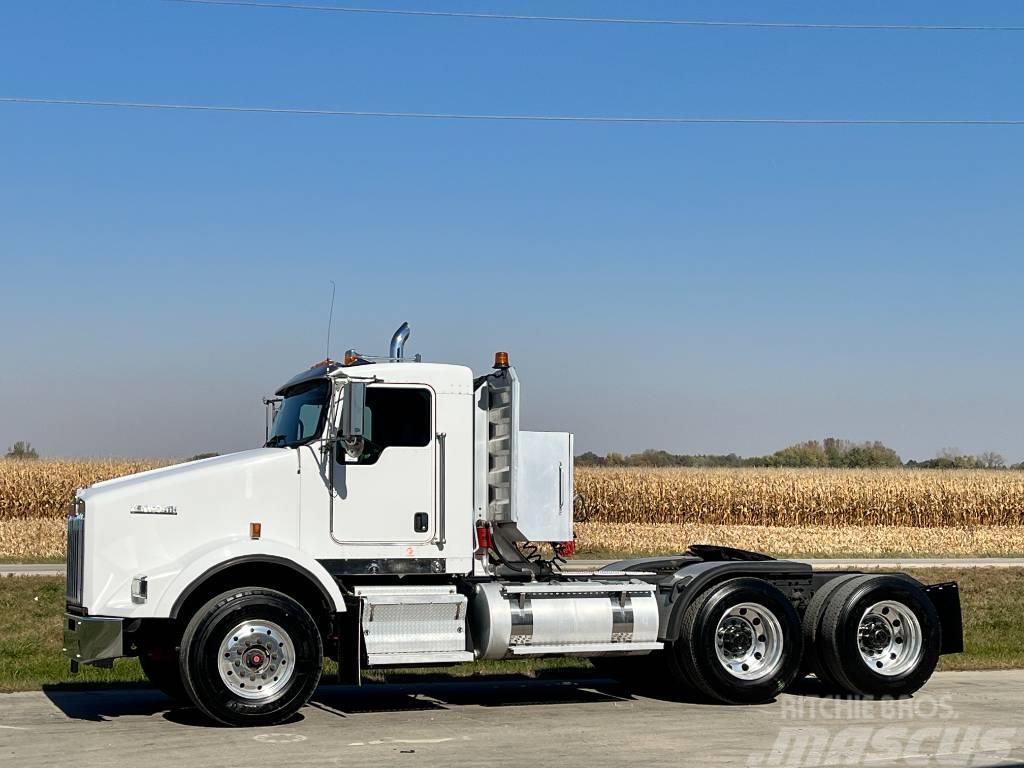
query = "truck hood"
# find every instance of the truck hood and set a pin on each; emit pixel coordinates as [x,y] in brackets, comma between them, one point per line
[230,465]
[156,523]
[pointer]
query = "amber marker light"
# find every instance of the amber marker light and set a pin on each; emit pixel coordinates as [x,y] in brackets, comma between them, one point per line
[501,359]
[351,357]
[255,529]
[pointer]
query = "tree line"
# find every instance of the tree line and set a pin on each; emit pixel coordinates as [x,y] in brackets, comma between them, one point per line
[830,452]
[23,451]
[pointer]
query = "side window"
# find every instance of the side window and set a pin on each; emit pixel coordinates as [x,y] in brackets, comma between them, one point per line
[309,418]
[396,417]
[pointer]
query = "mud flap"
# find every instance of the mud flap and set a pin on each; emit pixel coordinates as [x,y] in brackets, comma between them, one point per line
[946,599]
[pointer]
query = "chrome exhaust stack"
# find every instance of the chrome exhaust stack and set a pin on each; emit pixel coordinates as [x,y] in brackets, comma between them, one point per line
[397,351]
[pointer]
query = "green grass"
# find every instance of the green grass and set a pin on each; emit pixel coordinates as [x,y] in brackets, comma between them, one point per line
[32,610]
[993,616]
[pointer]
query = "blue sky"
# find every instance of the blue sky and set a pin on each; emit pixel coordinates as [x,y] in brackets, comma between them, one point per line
[694,288]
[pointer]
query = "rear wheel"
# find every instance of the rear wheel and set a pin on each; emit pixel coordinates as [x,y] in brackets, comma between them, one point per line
[251,657]
[812,625]
[880,636]
[740,643]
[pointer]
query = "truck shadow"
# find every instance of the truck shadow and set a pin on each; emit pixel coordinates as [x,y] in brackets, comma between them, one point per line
[419,692]
[100,702]
[103,703]
[402,693]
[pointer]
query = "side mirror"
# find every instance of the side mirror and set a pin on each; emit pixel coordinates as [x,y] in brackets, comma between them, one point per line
[353,410]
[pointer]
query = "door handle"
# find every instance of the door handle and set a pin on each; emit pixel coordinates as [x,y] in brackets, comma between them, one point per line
[440,486]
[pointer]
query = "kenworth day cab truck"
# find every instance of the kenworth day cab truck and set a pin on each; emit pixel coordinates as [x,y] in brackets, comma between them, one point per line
[392,519]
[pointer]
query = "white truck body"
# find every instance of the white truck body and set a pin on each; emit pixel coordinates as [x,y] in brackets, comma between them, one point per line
[399,516]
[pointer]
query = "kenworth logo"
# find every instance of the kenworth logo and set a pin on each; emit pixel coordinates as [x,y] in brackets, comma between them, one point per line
[153,509]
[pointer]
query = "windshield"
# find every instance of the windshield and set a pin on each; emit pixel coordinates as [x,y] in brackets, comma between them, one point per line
[301,416]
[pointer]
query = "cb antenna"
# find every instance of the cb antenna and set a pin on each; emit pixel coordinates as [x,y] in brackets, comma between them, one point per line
[330,322]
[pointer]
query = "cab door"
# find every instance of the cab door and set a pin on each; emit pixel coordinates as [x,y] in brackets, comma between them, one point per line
[389,494]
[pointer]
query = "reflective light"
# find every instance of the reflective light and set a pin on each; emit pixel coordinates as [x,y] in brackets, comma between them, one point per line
[565,548]
[484,539]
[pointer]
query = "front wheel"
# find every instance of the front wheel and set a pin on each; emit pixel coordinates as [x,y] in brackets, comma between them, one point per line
[251,657]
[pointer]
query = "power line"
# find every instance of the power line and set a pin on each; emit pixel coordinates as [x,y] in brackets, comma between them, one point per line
[606,20]
[315,112]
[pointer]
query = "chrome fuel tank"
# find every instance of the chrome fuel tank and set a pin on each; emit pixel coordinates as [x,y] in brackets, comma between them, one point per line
[585,618]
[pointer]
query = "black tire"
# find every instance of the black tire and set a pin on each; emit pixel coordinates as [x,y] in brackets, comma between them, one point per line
[201,657]
[812,626]
[161,666]
[693,659]
[840,639]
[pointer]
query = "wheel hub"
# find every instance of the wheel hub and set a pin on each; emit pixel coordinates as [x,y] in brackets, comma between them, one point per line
[875,634]
[890,638]
[749,642]
[737,637]
[255,659]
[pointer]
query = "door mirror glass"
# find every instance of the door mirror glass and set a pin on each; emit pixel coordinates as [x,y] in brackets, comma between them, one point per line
[353,409]
[353,424]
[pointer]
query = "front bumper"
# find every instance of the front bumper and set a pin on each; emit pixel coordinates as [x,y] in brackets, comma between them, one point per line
[92,639]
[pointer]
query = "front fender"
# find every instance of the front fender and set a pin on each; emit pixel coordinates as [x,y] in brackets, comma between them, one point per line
[168,584]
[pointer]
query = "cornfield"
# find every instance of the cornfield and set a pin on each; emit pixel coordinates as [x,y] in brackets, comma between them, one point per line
[801,497]
[45,488]
[841,512]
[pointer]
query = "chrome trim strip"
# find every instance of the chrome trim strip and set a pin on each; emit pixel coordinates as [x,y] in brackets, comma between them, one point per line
[622,619]
[522,621]
[75,554]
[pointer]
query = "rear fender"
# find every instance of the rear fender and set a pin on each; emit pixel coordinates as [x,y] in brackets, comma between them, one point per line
[677,592]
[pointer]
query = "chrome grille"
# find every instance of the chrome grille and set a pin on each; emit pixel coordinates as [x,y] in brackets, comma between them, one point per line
[75,553]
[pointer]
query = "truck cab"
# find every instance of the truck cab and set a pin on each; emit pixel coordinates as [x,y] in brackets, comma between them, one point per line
[398,515]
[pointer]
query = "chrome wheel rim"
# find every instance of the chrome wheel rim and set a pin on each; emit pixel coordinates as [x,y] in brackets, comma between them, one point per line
[749,642]
[256,659]
[890,638]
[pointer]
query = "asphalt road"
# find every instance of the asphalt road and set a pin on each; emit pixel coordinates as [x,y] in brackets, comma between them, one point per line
[958,719]
[57,569]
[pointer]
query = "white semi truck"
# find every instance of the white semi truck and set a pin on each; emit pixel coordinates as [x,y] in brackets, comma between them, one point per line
[392,519]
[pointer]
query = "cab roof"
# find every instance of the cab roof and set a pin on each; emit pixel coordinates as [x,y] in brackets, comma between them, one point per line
[441,376]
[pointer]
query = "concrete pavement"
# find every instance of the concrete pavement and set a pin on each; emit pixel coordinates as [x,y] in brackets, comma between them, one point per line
[32,569]
[959,719]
